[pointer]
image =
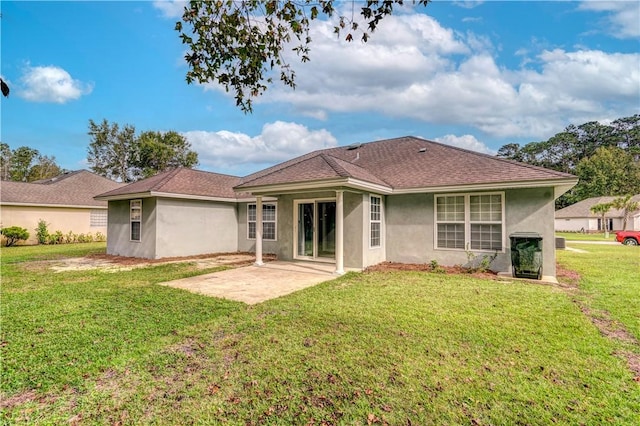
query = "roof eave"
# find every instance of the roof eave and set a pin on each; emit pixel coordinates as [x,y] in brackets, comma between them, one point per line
[560,186]
[150,194]
[347,182]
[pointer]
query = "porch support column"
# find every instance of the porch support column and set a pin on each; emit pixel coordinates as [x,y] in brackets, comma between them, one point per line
[339,232]
[259,231]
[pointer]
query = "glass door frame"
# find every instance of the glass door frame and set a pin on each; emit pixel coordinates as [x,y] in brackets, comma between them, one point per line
[296,213]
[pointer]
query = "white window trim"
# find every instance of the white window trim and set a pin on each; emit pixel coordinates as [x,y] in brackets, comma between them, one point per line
[131,221]
[467,221]
[372,221]
[275,221]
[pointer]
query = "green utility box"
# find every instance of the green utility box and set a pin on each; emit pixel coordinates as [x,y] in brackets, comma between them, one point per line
[526,254]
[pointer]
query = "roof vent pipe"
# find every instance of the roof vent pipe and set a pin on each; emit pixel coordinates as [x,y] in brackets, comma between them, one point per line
[422,150]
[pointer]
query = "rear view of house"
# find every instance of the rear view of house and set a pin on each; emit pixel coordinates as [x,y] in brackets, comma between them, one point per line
[405,199]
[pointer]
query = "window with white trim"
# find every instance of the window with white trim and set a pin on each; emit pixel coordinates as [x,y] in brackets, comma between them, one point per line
[135,219]
[268,221]
[375,221]
[98,217]
[470,221]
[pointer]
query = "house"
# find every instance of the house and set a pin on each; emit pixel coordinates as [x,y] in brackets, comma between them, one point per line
[65,202]
[578,217]
[405,200]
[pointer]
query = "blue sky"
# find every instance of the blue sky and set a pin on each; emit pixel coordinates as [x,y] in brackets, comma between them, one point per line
[472,74]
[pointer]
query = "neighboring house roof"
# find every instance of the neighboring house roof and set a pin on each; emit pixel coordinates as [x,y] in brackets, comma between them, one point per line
[179,182]
[406,164]
[582,209]
[72,189]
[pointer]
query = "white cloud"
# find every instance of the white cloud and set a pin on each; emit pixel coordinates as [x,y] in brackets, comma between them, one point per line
[623,17]
[466,142]
[51,84]
[171,8]
[413,67]
[278,141]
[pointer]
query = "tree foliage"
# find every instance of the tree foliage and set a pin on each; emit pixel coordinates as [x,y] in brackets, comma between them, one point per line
[13,234]
[613,171]
[239,44]
[601,210]
[627,205]
[118,154]
[155,151]
[25,164]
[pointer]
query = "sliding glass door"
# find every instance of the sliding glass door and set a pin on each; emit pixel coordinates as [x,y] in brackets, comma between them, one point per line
[315,225]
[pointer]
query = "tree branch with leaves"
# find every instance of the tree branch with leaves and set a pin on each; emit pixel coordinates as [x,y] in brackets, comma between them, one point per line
[238,44]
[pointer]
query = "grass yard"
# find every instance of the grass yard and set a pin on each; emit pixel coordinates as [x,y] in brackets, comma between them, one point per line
[375,348]
[578,236]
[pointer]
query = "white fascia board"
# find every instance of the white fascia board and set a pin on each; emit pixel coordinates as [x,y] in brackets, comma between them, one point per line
[166,195]
[66,206]
[318,185]
[560,187]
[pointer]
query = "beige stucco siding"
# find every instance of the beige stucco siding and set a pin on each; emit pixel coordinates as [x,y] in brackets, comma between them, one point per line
[191,227]
[410,228]
[63,219]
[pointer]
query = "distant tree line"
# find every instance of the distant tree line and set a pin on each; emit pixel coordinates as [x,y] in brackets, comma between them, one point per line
[114,152]
[605,158]
[118,153]
[26,164]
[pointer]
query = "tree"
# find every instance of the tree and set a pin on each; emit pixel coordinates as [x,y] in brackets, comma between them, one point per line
[44,168]
[13,234]
[238,44]
[155,152]
[22,159]
[121,155]
[110,150]
[627,205]
[602,209]
[4,88]
[5,161]
[610,171]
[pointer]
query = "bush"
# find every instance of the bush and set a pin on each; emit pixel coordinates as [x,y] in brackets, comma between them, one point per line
[42,233]
[13,234]
[55,238]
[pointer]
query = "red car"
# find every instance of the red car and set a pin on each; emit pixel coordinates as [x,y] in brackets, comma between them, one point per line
[628,238]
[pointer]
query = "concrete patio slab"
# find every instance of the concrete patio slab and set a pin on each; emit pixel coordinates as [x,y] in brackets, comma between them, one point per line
[255,284]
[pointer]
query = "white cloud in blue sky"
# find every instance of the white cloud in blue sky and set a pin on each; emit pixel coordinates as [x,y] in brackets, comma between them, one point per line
[476,75]
[51,84]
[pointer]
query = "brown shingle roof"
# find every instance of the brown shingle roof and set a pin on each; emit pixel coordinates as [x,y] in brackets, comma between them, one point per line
[182,181]
[582,209]
[70,189]
[402,163]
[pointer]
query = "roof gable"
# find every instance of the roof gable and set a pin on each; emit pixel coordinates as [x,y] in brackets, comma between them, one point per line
[582,209]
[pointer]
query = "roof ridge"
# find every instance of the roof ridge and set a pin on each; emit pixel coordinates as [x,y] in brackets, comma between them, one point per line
[331,161]
[165,179]
[276,169]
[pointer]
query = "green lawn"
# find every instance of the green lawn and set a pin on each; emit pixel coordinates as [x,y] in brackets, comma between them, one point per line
[400,348]
[577,236]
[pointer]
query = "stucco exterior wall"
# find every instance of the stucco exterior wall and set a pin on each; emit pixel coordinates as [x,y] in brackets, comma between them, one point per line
[249,245]
[372,255]
[410,228]
[63,219]
[192,227]
[118,238]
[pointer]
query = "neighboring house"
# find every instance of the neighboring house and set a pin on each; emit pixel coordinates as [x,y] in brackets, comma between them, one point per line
[403,200]
[579,218]
[66,203]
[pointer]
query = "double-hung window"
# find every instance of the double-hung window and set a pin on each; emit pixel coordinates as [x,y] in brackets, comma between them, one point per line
[470,221]
[268,221]
[135,219]
[375,221]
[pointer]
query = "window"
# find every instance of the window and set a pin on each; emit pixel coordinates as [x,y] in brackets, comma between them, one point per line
[375,221]
[473,221]
[98,218]
[268,221]
[135,218]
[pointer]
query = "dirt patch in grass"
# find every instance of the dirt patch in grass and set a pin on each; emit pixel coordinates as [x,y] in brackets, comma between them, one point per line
[111,263]
[426,267]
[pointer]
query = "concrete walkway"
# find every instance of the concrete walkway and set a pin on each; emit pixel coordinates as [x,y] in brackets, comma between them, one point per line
[255,284]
